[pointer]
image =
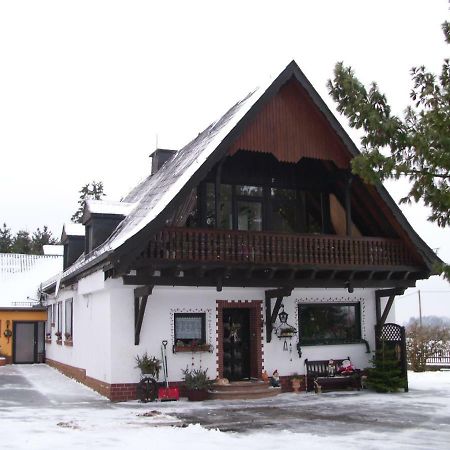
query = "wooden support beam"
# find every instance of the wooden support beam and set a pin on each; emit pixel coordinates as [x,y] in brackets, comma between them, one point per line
[271,316]
[140,302]
[143,291]
[240,280]
[386,310]
[391,293]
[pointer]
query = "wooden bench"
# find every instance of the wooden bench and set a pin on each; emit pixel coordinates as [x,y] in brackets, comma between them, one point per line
[321,377]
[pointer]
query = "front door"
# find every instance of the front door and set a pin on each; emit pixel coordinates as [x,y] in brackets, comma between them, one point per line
[236,343]
[28,342]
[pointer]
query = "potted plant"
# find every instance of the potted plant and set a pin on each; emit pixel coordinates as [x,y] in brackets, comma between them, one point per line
[296,382]
[149,365]
[197,383]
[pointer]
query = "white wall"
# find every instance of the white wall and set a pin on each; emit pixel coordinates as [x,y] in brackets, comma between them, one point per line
[91,348]
[164,301]
[104,328]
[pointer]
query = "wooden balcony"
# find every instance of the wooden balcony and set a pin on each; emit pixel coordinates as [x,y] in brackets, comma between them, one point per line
[186,245]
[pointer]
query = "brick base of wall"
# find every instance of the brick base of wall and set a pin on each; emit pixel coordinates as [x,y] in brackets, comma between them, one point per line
[6,360]
[119,392]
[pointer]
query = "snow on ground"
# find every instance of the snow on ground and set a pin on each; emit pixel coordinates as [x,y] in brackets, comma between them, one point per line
[41,409]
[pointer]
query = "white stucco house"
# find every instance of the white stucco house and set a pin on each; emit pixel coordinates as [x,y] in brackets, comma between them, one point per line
[257,215]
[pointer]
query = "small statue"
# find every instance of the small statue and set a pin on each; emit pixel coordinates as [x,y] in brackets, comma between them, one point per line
[331,368]
[265,376]
[275,380]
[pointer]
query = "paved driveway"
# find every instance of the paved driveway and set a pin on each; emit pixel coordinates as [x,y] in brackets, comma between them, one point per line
[40,386]
[40,408]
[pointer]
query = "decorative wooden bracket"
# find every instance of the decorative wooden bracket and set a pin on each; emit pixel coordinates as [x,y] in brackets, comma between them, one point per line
[271,316]
[391,293]
[140,302]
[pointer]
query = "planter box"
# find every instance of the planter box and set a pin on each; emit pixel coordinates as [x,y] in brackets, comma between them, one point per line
[191,348]
[197,395]
[2,361]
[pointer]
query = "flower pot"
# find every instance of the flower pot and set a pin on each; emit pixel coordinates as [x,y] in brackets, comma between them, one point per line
[2,361]
[197,395]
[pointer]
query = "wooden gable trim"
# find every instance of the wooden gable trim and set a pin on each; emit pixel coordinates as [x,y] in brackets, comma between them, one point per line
[291,127]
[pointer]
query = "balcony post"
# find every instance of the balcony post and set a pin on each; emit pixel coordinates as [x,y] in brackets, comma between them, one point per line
[348,206]
[217,191]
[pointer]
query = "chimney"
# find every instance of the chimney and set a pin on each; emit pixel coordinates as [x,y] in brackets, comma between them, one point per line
[159,157]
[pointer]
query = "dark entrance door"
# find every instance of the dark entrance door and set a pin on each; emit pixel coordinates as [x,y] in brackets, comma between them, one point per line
[28,342]
[236,343]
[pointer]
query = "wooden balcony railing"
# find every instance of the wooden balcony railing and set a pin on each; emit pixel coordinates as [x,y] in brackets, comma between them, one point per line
[197,245]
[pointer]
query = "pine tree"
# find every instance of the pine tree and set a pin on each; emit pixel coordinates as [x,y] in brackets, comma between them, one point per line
[416,146]
[41,238]
[386,374]
[90,191]
[22,242]
[6,240]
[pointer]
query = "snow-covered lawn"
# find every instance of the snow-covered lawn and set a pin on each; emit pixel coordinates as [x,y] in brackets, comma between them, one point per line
[42,409]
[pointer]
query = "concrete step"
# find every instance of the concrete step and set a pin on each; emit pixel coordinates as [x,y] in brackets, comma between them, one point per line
[242,390]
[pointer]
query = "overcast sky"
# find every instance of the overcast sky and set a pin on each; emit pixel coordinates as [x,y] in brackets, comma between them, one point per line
[87,88]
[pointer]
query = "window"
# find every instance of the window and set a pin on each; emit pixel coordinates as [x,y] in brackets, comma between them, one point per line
[285,210]
[48,324]
[225,207]
[337,323]
[68,319]
[59,318]
[190,328]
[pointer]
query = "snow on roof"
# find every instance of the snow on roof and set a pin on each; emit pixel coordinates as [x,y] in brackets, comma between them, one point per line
[54,250]
[21,276]
[159,189]
[109,207]
[73,229]
[152,195]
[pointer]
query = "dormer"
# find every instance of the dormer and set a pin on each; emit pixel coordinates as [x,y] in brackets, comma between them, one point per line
[100,219]
[72,238]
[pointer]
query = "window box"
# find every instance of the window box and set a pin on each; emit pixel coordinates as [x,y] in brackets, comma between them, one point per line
[68,342]
[192,348]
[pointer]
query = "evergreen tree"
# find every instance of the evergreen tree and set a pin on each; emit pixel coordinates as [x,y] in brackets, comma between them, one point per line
[416,146]
[6,240]
[41,238]
[90,191]
[21,242]
[386,374]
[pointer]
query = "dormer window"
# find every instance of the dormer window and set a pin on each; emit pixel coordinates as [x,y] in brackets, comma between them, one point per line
[101,217]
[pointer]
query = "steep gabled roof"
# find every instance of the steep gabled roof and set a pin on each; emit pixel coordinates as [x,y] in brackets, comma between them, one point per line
[155,196]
